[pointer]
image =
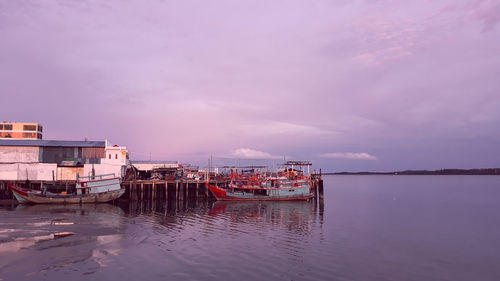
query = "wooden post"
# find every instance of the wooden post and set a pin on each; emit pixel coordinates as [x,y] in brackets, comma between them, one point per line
[181,195]
[132,197]
[153,197]
[176,190]
[166,191]
[321,195]
[185,191]
[142,191]
[196,190]
[315,188]
[134,188]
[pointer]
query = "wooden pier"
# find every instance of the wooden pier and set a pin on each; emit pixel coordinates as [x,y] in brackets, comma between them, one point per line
[178,190]
[152,190]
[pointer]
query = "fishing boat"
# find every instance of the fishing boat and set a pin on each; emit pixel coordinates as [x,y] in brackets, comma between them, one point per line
[286,185]
[91,189]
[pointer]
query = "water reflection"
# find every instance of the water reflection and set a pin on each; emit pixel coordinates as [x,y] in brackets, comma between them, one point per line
[298,216]
[295,216]
[30,238]
[190,234]
[82,209]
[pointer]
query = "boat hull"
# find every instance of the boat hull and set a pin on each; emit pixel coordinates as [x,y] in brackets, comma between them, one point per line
[28,196]
[276,195]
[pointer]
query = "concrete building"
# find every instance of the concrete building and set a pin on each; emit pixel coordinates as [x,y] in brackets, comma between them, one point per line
[59,160]
[115,161]
[13,130]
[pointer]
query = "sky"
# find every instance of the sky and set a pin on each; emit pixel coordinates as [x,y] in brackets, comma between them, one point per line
[351,85]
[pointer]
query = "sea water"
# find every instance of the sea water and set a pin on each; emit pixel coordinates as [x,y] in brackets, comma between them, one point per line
[367,228]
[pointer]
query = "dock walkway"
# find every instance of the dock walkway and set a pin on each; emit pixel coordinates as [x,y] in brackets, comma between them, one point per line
[152,190]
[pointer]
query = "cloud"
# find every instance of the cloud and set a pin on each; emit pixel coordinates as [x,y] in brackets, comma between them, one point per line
[249,153]
[349,155]
[488,13]
[376,57]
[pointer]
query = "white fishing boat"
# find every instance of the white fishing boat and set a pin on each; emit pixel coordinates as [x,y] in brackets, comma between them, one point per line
[91,189]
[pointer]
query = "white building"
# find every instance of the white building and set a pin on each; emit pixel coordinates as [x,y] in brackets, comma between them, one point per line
[48,160]
[115,161]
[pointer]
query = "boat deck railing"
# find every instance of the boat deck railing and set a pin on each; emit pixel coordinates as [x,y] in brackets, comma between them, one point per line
[96,177]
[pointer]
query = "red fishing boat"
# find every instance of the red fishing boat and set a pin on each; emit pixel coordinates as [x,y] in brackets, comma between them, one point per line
[286,185]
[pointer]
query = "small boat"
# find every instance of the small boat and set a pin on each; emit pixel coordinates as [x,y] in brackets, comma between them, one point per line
[92,189]
[287,185]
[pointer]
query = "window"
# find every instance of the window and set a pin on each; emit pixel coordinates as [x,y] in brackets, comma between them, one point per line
[40,128]
[29,135]
[7,127]
[116,156]
[29,128]
[1,126]
[110,156]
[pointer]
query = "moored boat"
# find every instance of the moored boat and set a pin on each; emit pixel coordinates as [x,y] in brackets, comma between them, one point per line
[92,189]
[284,186]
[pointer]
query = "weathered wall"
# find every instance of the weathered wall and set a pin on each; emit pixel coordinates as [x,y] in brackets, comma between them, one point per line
[59,154]
[83,155]
[93,154]
[20,171]
[19,154]
[69,173]
[102,169]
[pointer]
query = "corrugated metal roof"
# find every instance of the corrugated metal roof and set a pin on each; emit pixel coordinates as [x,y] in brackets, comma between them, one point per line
[53,143]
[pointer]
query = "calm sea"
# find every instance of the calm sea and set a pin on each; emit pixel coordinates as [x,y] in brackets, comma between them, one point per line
[367,228]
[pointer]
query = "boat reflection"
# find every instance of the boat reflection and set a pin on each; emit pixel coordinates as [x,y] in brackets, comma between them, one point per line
[71,208]
[295,216]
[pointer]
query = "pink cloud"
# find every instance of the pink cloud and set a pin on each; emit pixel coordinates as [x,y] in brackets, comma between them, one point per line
[488,14]
[249,153]
[349,155]
[379,56]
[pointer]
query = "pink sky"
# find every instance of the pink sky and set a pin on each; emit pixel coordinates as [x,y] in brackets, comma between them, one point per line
[349,85]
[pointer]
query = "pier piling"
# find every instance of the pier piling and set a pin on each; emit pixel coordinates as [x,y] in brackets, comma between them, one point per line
[138,190]
[320,187]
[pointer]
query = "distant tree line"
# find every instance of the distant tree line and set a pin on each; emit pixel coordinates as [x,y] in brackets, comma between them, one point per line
[491,171]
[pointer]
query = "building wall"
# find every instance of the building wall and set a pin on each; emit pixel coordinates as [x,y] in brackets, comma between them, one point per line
[11,130]
[80,154]
[19,154]
[117,155]
[69,173]
[20,135]
[103,169]
[22,171]
[92,154]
